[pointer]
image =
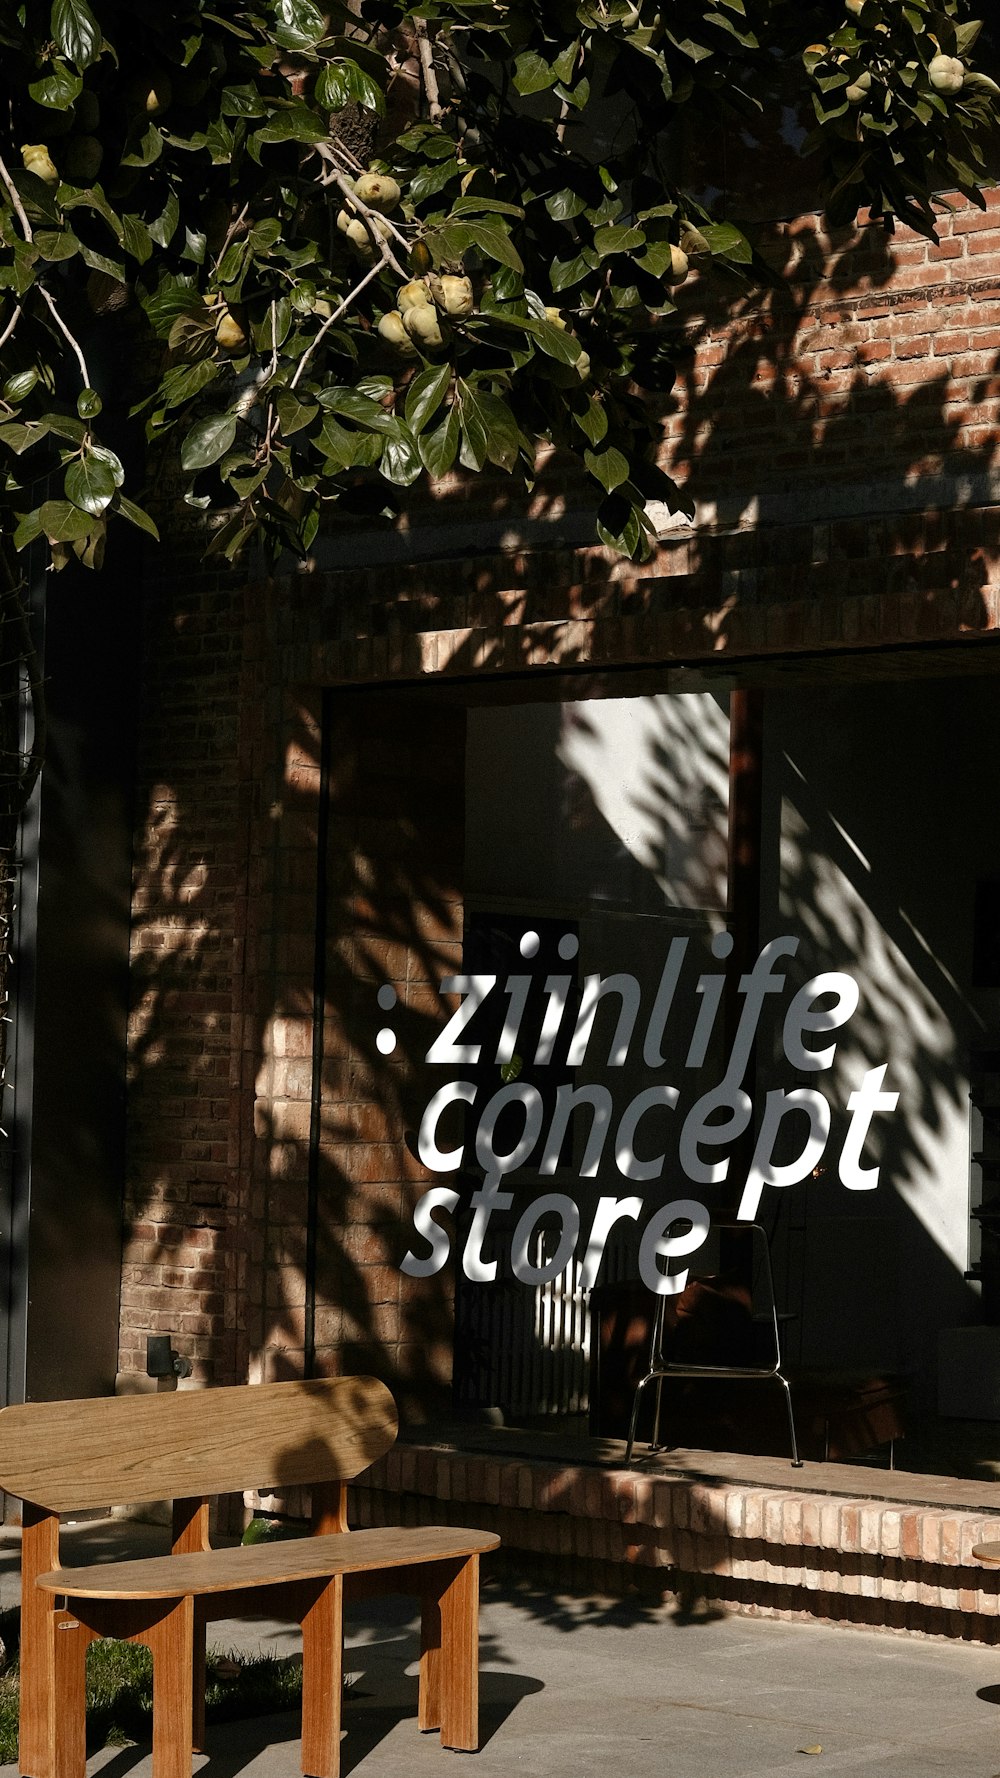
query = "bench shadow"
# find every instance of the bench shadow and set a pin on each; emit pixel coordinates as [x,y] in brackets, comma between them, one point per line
[368,1719]
[380,1654]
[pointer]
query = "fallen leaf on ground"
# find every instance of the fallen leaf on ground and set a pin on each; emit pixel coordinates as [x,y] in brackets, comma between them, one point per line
[816,1749]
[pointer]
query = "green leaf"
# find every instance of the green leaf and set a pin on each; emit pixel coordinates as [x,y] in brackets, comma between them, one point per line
[532,74]
[470,205]
[300,24]
[578,95]
[63,522]
[29,527]
[19,386]
[567,272]
[496,243]
[264,235]
[400,459]
[36,197]
[965,36]
[474,450]
[367,448]
[425,395]
[347,449]
[427,181]
[99,262]
[184,380]
[58,90]
[502,435]
[696,51]
[65,426]
[562,206]
[194,245]
[16,437]
[192,336]
[136,238]
[135,515]
[728,242]
[590,415]
[242,101]
[624,527]
[565,62]
[54,244]
[655,260]
[438,449]
[207,441]
[617,238]
[295,414]
[340,82]
[609,467]
[164,228]
[90,483]
[101,454]
[297,124]
[376,386]
[173,296]
[76,31]
[88,404]
[556,342]
[144,149]
[356,406]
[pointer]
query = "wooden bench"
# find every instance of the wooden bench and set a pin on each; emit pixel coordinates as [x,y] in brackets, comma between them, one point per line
[187,1447]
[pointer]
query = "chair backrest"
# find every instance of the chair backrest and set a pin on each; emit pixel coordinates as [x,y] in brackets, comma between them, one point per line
[110,1451]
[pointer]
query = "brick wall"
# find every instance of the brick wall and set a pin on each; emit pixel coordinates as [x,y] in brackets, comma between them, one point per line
[837,440]
[393,923]
[183,1271]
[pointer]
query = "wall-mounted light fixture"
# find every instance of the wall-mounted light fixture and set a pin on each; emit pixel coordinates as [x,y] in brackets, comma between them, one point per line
[162,1360]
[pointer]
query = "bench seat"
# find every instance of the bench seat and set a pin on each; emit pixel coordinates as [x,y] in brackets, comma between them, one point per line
[268,1564]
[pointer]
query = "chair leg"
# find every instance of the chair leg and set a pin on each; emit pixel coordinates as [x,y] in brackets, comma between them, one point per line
[655,1446]
[796,1459]
[634,1421]
[323,1679]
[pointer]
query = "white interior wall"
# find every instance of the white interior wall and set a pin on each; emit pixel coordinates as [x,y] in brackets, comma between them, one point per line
[880,819]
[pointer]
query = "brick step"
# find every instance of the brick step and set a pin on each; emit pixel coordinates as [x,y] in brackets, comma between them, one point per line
[758,1550]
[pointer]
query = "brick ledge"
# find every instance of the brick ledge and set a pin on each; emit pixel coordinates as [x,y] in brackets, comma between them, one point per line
[757,1550]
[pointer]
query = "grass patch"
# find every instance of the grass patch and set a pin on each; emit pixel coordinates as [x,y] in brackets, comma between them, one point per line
[120,1693]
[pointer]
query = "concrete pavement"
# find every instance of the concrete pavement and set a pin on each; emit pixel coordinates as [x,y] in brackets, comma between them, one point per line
[575,1688]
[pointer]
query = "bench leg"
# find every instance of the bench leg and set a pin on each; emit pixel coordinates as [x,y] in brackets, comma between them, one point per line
[429,1698]
[323,1680]
[39,1554]
[449,1655]
[171,1640]
[69,1695]
[198,1682]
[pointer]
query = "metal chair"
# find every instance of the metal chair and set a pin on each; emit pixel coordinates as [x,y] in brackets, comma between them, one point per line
[661,1365]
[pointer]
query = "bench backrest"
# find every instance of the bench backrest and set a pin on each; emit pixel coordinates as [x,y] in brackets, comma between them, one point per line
[110,1451]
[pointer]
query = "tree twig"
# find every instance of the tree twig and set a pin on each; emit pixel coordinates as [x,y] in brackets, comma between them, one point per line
[64,330]
[15,198]
[230,233]
[9,329]
[347,155]
[367,214]
[425,50]
[351,296]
